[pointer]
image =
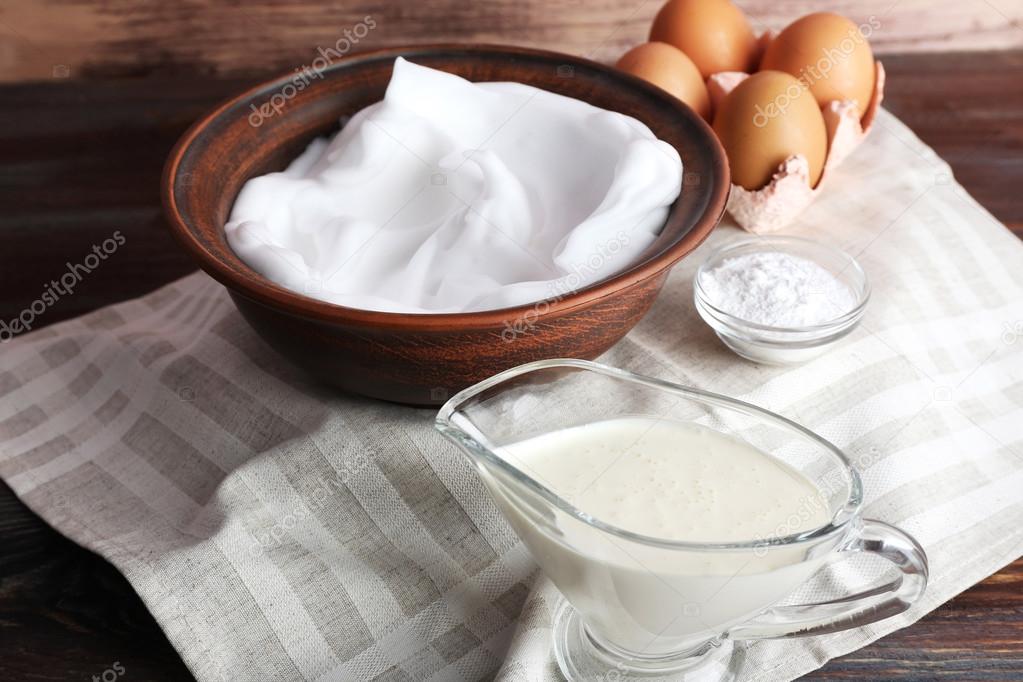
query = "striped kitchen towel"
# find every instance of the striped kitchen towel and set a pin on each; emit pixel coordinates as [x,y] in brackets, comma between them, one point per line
[279,530]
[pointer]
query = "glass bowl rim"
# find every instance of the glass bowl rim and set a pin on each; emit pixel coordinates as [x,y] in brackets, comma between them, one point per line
[862,292]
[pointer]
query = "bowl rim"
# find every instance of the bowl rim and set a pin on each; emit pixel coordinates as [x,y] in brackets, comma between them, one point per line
[261,290]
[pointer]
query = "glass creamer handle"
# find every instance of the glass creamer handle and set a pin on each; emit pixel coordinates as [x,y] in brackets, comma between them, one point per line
[862,608]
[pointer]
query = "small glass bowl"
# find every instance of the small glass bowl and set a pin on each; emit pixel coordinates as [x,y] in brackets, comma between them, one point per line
[784,345]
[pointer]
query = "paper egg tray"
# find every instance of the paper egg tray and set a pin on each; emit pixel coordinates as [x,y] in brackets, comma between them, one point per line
[774,206]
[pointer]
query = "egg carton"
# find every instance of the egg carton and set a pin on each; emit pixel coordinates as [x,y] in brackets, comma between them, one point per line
[773,206]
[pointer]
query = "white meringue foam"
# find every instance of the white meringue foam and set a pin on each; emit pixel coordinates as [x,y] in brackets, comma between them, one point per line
[451,196]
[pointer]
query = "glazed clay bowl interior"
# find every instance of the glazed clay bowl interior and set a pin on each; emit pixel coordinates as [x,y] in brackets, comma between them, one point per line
[422,359]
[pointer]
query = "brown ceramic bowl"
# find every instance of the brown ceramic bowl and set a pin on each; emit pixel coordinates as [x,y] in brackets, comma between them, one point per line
[422,358]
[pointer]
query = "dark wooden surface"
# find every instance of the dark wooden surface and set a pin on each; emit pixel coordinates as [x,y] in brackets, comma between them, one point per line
[80,160]
[128,37]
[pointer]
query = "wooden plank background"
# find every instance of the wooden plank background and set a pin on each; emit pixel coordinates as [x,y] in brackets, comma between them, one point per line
[44,39]
[80,159]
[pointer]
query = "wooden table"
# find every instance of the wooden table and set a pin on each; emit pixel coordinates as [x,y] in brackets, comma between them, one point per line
[80,159]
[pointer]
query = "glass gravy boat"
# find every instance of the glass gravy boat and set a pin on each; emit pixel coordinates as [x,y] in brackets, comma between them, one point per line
[646,606]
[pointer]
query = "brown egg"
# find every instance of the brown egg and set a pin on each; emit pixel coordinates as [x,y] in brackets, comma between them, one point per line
[767,118]
[713,33]
[670,69]
[828,53]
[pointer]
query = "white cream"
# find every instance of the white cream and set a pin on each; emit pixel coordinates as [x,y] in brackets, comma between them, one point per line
[673,481]
[451,196]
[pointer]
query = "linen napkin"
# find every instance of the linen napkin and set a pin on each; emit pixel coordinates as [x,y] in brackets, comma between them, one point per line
[280,530]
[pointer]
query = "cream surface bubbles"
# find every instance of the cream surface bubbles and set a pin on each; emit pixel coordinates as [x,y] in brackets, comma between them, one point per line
[673,480]
[451,196]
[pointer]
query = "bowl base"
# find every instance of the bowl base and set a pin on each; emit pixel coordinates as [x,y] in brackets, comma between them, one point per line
[776,357]
[581,657]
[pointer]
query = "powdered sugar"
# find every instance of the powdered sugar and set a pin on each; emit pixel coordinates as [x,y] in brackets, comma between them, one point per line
[776,289]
